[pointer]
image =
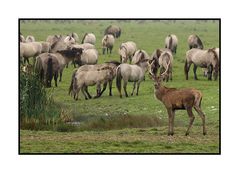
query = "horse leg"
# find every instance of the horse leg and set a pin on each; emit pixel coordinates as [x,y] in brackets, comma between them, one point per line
[55,78]
[110,87]
[171,115]
[138,84]
[194,71]
[133,89]
[98,90]
[88,94]
[60,75]
[104,88]
[125,91]
[191,119]
[83,92]
[202,115]
[209,72]
[170,74]
[187,68]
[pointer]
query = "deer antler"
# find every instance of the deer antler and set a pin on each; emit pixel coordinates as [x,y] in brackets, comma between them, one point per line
[150,68]
[165,70]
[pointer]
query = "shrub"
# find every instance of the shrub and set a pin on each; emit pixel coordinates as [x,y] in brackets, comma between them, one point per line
[37,108]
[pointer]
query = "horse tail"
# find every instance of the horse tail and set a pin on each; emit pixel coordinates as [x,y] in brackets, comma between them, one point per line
[84,38]
[170,44]
[49,70]
[118,79]
[72,82]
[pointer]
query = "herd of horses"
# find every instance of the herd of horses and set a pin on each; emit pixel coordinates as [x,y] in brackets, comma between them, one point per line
[50,57]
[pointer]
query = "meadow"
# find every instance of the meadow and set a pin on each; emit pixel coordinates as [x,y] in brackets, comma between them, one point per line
[137,124]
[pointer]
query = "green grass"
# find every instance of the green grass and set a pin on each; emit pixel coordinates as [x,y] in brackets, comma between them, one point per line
[148,36]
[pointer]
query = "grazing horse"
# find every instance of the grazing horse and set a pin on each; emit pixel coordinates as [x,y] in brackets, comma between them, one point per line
[114,30]
[111,64]
[28,50]
[126,51]
[107,43]
[171,42]
[87,56]
[47,67]
[205,70]
[204,59]
[131,73]
[82,79]
[89,38]
[163,59]
[194,42]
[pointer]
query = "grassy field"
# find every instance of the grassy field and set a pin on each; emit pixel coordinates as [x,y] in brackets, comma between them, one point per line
[137,124]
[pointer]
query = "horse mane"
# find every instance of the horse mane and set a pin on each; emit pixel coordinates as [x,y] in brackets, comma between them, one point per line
[122,46]
[67,53]
[84,38]
[117,63]
[54,44]
[141,58]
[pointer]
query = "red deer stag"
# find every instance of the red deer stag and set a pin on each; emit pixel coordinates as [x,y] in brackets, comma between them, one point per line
[176,99]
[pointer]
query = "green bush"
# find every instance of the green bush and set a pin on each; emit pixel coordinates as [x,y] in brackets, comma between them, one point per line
[37,108]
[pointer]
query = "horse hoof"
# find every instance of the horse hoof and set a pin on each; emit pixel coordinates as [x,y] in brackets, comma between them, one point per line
[186,134]
[204,133]
[120,96]
[132,94]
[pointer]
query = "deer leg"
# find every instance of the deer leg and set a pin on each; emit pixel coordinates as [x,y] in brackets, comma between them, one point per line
[125,91]
[133,89]
[202,115]
[170,121]
[191,119]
